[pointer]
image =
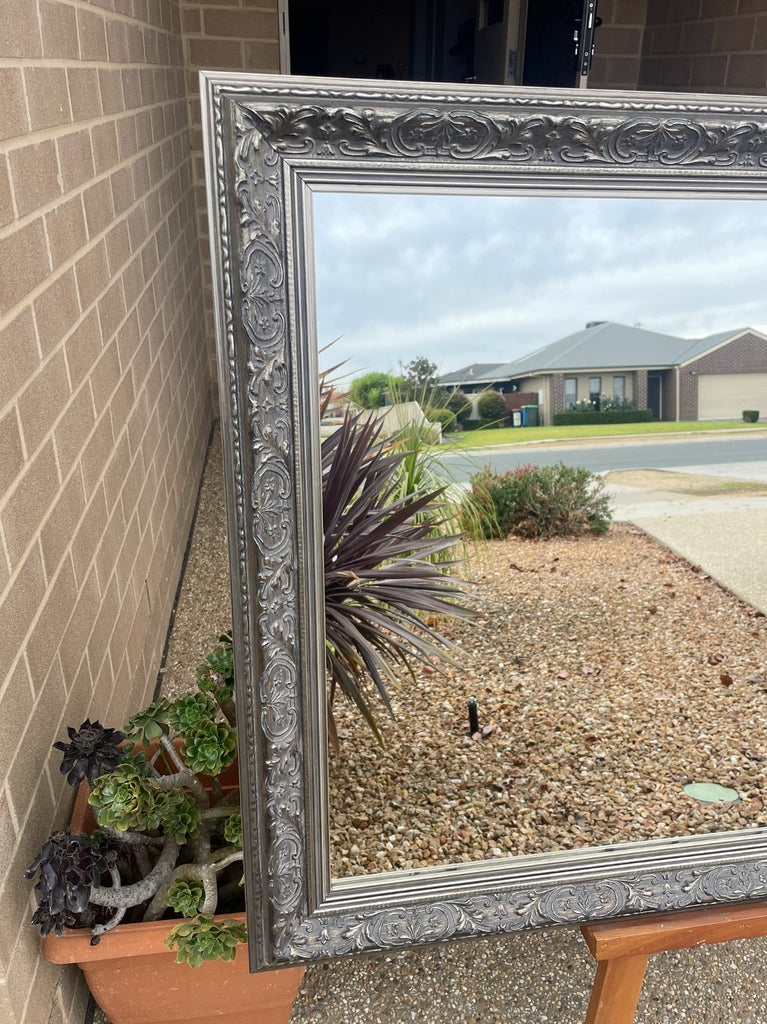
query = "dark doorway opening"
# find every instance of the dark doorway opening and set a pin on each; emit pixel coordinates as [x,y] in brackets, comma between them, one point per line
[438,40]
[654,395]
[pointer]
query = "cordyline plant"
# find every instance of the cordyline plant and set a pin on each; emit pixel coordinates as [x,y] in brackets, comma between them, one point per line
[385,568]
[167,843]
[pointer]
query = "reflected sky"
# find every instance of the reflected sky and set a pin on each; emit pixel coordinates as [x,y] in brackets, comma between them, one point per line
[464,279]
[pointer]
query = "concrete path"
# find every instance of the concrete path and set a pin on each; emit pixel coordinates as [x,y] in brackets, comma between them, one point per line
[726,535]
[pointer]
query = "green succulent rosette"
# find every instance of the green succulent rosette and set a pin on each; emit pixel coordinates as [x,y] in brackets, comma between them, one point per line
[149,724]
[233,829]
[205,939]
[190,710]
[209,747]
[185,896]
[126,799]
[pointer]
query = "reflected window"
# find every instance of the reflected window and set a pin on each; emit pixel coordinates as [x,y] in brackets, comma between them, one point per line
[571,392]
[595,391]
[619,387]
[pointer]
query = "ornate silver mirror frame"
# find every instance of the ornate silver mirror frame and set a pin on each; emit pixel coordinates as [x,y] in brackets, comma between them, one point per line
[270,143]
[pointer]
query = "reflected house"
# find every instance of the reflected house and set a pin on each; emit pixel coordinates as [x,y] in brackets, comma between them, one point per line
[710,378]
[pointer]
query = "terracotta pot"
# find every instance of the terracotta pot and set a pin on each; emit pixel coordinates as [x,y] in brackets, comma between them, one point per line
[135,980]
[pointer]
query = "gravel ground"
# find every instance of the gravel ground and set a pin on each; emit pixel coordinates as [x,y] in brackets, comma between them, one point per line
[623,674]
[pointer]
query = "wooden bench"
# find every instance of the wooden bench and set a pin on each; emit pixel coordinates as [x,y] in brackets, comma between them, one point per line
[622,948]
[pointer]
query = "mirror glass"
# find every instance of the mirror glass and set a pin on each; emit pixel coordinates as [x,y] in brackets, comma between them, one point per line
[607,673]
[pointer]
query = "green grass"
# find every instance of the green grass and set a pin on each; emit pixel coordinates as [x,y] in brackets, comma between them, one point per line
[516,435]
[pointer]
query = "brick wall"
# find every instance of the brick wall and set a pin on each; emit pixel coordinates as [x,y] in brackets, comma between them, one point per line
[222,36]
[104,406]
[705,45]
[618,50]
[639,389]
[746,354]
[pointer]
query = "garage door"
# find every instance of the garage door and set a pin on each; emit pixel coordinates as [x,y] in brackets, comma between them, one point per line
[724,396]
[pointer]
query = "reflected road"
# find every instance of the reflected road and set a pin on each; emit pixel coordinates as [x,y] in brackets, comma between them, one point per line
[734,456]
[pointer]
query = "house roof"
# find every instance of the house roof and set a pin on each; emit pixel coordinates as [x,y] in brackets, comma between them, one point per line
[479,371]
[600,346]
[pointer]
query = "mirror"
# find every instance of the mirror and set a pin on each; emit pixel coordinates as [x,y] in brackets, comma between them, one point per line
[488,280]
[273,146]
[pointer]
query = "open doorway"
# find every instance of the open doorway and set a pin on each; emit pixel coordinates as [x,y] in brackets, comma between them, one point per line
[501,42]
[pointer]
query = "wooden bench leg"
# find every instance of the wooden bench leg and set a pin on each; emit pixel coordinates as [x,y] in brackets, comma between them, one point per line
[615,994]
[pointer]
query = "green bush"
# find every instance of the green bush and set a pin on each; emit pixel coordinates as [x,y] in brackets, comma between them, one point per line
[492,406]
[443,416]
[478,424]
[459,404]
[573,418]
[750,415]
[541,501]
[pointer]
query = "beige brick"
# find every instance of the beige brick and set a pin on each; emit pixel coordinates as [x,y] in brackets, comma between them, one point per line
[105,376]
[43,400]
[7,213]
[84,93]
[122,190]
[733,34]
[131,88]
[58,22]
[35,176]
[82,348]
[20,605]
[26,504]
[75,639]
[66,230]
[127,143]
[264,57]
[15,901]
[718,8]
[104,143]
[216,53]
[111,88]
[239,24]
[92,274]
[104,622]
[34,750]
[191,21]
[20,34]
[111,309]
[99,208]
[8,842]
[13,109]
[76,159]
[697,37]
[118,246]
[88,534]
[616,40]
[92,34]
[760,34]
[117,41]
[683,10]
[747,72]
[24,259]
[57,530]
[19,356]
[56,310]
[46,634]
[72,431]
[11,452]
[47,97]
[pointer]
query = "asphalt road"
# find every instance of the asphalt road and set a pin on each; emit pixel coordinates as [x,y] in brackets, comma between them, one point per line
[737,455]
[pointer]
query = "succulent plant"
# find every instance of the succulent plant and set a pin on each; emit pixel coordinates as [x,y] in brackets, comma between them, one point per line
[69,866]
[91,751]
[186,896]
[209,747]
[205,939]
